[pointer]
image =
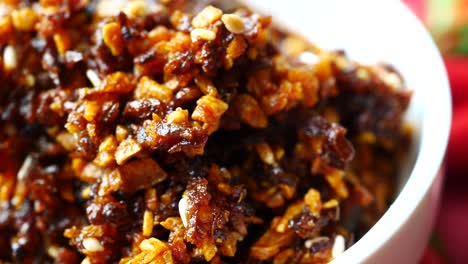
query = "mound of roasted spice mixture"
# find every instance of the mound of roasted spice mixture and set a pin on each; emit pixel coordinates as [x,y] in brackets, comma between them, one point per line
[177,132]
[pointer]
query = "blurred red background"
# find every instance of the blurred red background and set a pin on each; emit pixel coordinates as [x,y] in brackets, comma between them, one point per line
[447,20]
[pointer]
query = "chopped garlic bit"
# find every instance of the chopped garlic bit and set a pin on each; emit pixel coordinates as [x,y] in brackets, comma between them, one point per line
[93,78]
[25,168]
[201,33]
[183,204]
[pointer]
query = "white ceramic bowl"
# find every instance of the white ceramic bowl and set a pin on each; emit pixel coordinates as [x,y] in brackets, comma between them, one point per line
[385,30]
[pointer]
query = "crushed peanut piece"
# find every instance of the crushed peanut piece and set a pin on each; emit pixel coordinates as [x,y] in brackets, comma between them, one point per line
[204,34]
[206,17]
[209,110]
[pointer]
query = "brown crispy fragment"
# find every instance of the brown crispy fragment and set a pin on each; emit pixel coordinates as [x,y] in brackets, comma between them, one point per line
[209,111]
[140,174]
[148,88]
[126,150]
[270,244]
[113,38]
[249,111]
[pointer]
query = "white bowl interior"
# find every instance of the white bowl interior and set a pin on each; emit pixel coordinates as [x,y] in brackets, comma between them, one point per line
[372,31]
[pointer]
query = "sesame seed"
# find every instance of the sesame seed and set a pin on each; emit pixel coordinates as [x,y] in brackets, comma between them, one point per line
[147,223]
[25,168]
[308,58]
[91,244]
[183,204]
[53,251]
[93,78]
[9,58]
[310,242]
[338,246]
[234,23]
